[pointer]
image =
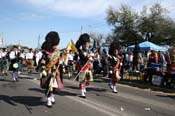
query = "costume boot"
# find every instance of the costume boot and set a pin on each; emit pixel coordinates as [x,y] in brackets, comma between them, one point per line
[52,98]
[110,85]
[82,91]
[114,89]
[49,102]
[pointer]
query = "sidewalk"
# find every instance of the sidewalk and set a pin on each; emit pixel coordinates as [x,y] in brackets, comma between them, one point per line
[140,84]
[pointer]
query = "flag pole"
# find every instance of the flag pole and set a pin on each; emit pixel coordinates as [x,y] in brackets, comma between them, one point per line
[77,75]
[80,71]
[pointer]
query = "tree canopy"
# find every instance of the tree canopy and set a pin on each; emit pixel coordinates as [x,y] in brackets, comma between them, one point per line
[152,24]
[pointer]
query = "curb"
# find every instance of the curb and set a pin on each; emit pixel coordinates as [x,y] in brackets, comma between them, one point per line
[144,86]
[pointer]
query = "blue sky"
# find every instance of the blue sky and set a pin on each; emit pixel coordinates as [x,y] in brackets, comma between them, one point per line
[23,21]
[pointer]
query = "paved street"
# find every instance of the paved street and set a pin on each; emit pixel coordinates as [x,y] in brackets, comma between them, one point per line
[25,98]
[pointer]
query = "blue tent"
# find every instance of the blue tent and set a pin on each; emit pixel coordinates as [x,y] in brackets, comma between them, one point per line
[146,45]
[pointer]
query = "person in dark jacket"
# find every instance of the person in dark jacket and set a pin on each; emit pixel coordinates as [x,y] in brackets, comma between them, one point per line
[114,65]
[85,74]
[49,64]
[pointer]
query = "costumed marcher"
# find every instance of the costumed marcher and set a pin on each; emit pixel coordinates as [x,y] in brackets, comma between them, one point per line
[114,65]
[49,64]
[85,74]
[14,62]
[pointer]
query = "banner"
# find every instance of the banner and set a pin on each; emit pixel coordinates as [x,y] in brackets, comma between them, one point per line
[71,46]
[85,67]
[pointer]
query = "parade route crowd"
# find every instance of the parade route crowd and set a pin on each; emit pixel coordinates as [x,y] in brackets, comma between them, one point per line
[85,63]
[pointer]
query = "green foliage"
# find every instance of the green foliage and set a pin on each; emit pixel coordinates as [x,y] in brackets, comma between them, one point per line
[151,24]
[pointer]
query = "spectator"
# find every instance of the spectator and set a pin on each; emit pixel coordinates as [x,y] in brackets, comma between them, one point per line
[104,62]
[152,58]
[30,61]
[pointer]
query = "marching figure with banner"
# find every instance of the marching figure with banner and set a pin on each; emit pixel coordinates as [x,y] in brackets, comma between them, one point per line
[85,74]
[114,65]
[49,63]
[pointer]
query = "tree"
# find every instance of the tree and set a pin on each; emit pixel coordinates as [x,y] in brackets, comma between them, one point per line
[124,22]
[151,24]
[97,37]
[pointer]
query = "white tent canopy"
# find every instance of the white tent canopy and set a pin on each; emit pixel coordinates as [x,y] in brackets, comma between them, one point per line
[145,46]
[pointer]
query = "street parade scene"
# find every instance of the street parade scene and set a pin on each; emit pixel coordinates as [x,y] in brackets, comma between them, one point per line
[98,58]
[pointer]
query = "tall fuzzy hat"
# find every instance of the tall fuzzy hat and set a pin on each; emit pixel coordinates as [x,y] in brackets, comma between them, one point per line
[114,45]
[51,39]
[82,39]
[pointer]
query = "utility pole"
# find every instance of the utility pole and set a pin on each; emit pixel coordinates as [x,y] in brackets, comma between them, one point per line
[19,43]
[2,40]
[39,42]
[81,29]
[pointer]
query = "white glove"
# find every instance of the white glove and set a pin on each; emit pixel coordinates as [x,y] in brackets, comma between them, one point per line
[121,64]
[110,72]
[44,73]
[60,62]
[90,58]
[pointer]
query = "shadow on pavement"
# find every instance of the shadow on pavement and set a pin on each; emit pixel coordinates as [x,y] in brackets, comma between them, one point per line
[167,96]
[27,77]
[88,88]
[37,90]
[72,87]
[66,93]
[96,89]
[5,80]
[25,100]
[61,93]
[98,79]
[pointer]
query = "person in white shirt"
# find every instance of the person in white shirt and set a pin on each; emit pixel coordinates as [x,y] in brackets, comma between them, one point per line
[30,62]
[38,55]
[22,57]
[70,59]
